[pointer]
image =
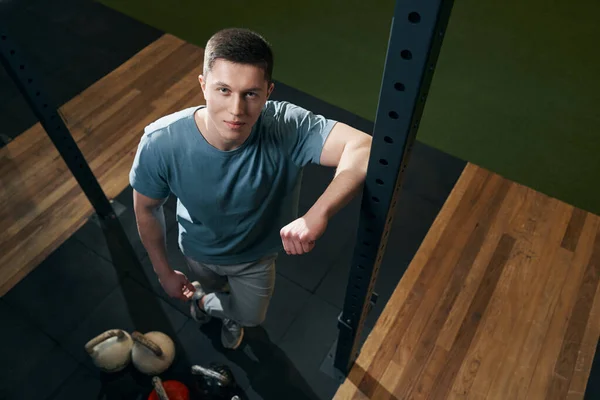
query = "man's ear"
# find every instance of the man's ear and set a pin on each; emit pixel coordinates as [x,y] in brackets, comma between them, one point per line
[202,82]
[270,89]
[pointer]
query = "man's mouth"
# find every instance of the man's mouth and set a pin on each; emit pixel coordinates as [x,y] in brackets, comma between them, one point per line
[234,124]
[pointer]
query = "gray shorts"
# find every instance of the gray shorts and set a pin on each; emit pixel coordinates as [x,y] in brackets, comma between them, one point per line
[240,292]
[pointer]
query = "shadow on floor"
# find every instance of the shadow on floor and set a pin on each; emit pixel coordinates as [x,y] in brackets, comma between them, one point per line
[272,375]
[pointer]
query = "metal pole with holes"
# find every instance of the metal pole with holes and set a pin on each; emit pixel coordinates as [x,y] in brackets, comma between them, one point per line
[30,85]
[415,40]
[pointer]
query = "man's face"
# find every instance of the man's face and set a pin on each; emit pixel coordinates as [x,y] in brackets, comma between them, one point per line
[235,95]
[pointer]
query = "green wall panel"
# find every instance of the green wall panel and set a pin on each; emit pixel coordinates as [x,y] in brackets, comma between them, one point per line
[516,88]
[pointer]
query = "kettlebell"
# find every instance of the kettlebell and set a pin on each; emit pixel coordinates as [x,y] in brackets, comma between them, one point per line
[110,351]
[215,375]
[168,390]
[152,352]
[217,381]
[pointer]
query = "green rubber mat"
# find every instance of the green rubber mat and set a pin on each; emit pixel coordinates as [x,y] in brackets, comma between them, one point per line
[516,88]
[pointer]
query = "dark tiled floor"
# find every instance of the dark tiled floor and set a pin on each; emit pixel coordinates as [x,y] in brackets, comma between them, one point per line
[81,289]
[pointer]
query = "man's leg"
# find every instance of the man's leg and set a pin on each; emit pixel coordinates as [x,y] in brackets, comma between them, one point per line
[208,281]
[251,287]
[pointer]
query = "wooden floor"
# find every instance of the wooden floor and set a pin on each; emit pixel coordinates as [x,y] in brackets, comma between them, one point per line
[500,302]
[41,203]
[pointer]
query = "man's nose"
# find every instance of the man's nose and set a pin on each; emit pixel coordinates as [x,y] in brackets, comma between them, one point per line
[237,106]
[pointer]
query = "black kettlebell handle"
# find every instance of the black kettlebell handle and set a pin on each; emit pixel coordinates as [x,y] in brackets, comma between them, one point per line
[210,373]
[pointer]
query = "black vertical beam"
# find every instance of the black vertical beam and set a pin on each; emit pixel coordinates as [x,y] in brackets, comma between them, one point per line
[30,86]
[144,307]
[415,40]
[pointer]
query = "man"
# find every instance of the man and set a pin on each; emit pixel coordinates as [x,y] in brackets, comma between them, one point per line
[235,166]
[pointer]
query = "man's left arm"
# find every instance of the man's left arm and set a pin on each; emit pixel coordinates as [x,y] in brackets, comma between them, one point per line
[347,149]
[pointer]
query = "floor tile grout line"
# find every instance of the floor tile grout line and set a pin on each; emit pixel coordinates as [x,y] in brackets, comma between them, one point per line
[88,248]
[291,323]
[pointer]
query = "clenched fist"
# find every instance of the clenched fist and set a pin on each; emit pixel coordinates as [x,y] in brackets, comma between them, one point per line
[299,236]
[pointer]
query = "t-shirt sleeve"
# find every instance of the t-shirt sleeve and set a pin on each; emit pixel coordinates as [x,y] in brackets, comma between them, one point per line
[148,174]
[306,132]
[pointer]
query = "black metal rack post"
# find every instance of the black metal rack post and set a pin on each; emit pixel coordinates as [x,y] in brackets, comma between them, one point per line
[415,40]
[30,85]
[144,308]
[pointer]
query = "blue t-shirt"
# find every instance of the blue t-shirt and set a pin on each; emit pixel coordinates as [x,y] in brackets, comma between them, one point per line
[231,205]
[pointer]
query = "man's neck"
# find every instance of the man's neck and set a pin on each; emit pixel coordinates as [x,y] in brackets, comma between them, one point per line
[210,133]
[201,119]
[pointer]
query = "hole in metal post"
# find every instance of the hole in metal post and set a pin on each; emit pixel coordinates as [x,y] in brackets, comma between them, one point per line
[393,115]
[414,17]
[21,67]
[388,139]
[3,37]
[12,52]
[379,181]
[406,54]
[375,199]
[399,86]
[383,161]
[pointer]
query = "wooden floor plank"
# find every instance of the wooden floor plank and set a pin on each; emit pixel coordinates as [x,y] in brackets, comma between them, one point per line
[551,347]
[445,297]
[527,287]
[474,362]
[42,204]
[472,319]
[106,89]
[501,303]
[578,321]
[432,274]
[512,204]
[403,289]
[588,347]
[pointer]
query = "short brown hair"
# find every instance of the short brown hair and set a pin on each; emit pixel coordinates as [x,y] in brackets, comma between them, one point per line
[240,46]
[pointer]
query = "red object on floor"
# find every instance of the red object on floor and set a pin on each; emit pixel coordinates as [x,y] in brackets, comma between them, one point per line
[175,390]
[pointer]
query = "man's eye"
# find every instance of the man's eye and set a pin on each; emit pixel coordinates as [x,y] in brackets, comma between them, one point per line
[223,90]
[251,94]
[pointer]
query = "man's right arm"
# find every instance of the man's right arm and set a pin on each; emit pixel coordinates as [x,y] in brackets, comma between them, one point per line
[152,229]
